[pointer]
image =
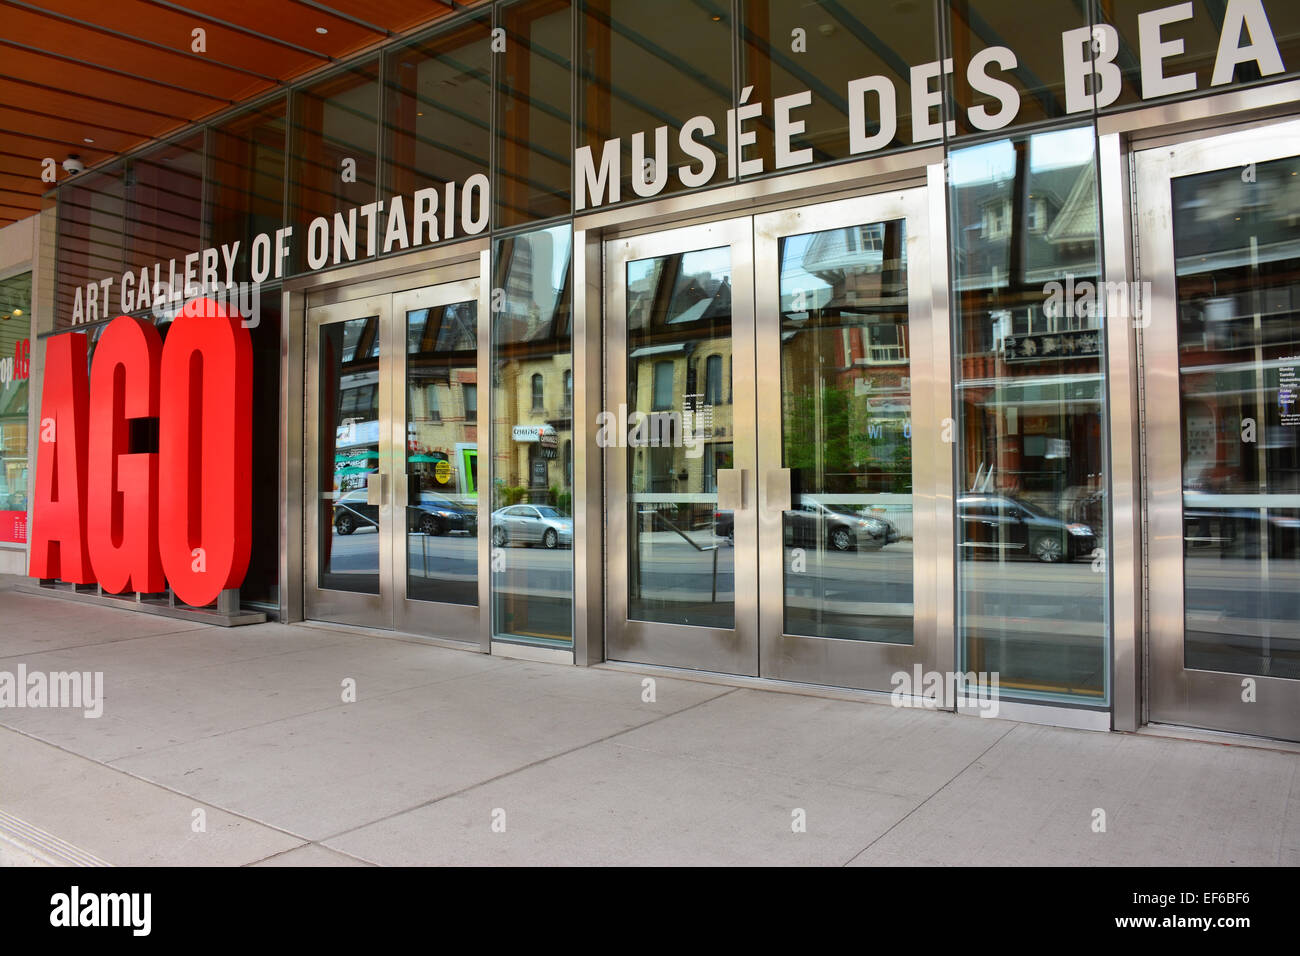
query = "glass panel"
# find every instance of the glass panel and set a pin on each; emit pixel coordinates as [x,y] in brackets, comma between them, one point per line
[332,165]
[681,567]
[246,175]
[534,113]
[655,64]
[441,446]
[165,209]
[1199,35]
[15,371]
[91,227]
[1032,30]
[532,493]
[846,403]
[842,40]
[348,430]
[1031,511]
[438,110]
[1237,257]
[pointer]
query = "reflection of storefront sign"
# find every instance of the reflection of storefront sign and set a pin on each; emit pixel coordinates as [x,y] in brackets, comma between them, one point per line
[148,519]
[542,434]
[13,527]
[1286,393]
[1077,343]
[14,368]
[442,471]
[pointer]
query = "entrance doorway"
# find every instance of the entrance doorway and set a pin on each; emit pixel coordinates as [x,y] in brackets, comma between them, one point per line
[393,512]
[778,477]
[1220,247]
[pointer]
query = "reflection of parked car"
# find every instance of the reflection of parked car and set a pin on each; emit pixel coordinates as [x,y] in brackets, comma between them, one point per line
[841,527]
[1002,526]
[531,524]
[351,512]
[436,515]
[433,515]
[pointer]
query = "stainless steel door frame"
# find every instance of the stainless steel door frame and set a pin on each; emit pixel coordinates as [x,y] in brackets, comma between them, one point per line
[459,622]
[1176,694]
[732,651]
[827,660]
[347,607]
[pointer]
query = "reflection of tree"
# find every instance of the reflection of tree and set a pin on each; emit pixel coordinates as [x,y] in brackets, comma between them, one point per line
[860,455]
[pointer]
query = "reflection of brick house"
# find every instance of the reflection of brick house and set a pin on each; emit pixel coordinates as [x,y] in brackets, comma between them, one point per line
[845,360]
[533,383]
[1029,381]
[680,362]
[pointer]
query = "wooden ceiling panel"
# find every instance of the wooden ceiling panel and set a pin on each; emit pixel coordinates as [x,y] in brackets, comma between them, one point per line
[155,26]
[291,23]
[84,79]
[123,72]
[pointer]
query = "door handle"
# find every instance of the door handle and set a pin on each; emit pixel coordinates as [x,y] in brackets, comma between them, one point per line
[778,490]
[731,489]
[375,488]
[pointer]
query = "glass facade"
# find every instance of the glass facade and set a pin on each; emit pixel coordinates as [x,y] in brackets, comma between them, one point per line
[683,96]
[532,438]
[1235,242]
[15,372]
[1029,354]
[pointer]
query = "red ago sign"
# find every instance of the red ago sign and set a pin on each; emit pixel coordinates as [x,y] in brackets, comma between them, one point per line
[139,520]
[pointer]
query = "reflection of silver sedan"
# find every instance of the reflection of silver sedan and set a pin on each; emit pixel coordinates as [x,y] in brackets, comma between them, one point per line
[531,524]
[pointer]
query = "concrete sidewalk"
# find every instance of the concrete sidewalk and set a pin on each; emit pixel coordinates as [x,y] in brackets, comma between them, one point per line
[245,732]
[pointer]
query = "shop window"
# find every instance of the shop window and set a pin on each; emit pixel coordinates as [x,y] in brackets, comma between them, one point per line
[821,45]
[91,228]
[533,109]
[15,350]
[470,394]
[438,107]
[164,203]
[1029,379]
[246,179]
[1039,74]
[532,601]
[333,164]
[713,380]
[1200,37]
[649,65]
[663,383]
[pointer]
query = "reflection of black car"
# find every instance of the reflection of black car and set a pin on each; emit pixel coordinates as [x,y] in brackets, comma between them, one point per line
[351,512]
[1005,527]
[811,523]
[433,515]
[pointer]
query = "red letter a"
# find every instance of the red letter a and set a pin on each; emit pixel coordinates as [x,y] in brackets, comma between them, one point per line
[58,537]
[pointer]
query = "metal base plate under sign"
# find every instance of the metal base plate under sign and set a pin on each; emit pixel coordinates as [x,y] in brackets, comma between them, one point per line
[225,614]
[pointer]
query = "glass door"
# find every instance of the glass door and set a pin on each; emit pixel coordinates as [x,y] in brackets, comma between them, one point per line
[349,455]
[394,512]
[678,439]
[1220,245]
[854,491]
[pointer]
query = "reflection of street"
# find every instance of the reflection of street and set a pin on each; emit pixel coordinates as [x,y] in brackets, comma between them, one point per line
[356,553]
[851,595]
[1242,617]
[1050,602]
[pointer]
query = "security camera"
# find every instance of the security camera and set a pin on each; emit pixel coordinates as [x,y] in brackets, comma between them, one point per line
[74,165]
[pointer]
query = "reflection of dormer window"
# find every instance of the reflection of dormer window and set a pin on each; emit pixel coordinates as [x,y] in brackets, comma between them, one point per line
[1037,217]
[997,219]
